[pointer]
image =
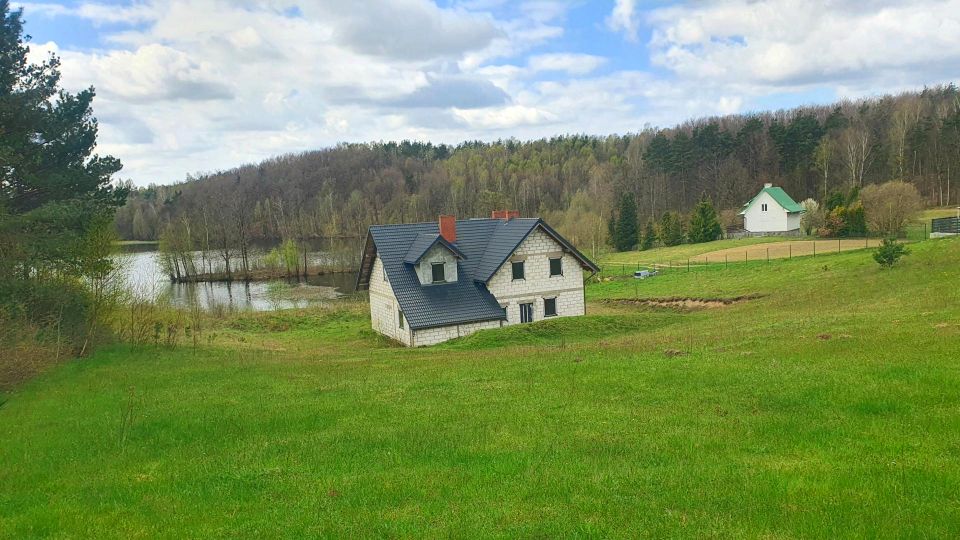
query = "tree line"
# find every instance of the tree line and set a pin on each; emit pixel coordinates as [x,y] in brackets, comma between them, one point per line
[575,181]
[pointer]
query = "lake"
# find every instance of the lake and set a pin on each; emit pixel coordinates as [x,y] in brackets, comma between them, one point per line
[143,275]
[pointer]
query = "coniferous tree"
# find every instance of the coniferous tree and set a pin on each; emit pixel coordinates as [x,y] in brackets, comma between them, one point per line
[625,235]
[649,236]
[856,220]
[55,194]
[704,225]
[671,229]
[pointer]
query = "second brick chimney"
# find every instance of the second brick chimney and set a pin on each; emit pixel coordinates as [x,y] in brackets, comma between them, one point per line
[448,228]
[505,215]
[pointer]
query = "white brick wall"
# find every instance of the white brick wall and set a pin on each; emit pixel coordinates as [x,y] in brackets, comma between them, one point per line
[537,284]
[432,336]
[384,307]
[437,254]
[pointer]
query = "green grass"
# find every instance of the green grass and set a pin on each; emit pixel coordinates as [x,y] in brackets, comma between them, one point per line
[683,251]
[933,213]
[828,407]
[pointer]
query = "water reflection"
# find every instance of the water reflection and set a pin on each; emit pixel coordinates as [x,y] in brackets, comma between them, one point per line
[145,278]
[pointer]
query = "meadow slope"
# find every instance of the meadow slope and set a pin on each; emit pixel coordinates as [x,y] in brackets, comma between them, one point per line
[825,405]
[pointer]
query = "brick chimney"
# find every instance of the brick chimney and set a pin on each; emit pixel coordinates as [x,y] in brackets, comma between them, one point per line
[505,215]
[448,228]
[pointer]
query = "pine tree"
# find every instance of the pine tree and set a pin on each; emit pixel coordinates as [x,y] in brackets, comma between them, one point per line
[704,225]
[671,229]
[55,194]
[625,235]
[649,236]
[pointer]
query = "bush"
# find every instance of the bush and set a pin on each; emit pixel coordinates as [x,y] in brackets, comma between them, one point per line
[835,223]
[856,220]
[812,219]
[890,206]
[889,252]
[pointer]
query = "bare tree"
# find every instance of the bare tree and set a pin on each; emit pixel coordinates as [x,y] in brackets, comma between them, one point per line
[858,151]
[890,206]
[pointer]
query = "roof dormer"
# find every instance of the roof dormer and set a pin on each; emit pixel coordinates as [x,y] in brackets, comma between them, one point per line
[434,259]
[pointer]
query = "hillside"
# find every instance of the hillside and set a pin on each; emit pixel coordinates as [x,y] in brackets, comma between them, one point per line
[825,406]
[575,181]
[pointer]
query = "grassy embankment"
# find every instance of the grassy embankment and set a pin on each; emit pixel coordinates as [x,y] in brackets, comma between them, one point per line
[827,407]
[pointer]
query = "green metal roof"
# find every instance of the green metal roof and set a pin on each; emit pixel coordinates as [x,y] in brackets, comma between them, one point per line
[778,195]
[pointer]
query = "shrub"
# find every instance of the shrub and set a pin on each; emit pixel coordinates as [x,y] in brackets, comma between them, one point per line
[835,223]
[889,252]
[813,217]
[890,206]
[856,220]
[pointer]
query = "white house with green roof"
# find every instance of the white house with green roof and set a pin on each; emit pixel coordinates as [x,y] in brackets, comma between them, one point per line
[771,211]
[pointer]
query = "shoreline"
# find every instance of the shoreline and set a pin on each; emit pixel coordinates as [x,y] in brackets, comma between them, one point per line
[256,275]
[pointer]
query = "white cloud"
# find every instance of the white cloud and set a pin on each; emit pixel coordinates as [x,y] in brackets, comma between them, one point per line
[623,18]
[574,64]
[503,117]
[149,74]
[200,85]
[787,43]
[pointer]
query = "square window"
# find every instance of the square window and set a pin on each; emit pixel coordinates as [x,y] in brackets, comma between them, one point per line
[517,270]
[549,307]
[556,267]
[401,322]
[439,272]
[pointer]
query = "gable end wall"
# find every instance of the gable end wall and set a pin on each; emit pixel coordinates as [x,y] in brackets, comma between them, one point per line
[384,307]
[536,251]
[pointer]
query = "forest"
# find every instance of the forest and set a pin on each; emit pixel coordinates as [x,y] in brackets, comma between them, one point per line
[574,181]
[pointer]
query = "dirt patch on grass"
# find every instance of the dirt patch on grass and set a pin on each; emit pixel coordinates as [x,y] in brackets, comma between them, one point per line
[683,303]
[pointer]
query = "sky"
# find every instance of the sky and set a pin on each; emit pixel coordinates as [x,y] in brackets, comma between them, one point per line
[188,87]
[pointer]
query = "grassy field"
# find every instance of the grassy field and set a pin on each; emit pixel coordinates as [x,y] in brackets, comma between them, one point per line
[933,213]
[825,405]
[683,251]
[730,251]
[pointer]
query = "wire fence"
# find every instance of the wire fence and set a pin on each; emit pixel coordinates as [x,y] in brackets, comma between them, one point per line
[769,252]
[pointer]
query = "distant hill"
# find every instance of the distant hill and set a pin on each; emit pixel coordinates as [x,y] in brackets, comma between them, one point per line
[574,180]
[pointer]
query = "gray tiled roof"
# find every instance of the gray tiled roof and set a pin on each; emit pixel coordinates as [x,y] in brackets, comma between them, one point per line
[484,245]
[424,242]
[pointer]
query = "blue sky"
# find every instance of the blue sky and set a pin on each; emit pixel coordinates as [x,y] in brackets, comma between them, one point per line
[191,86]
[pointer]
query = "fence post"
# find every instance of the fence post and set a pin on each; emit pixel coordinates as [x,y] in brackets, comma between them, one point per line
[745,254]
[768,254]
[688,264]
[725,261]
[814,248]
[838,245]
[790,246]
